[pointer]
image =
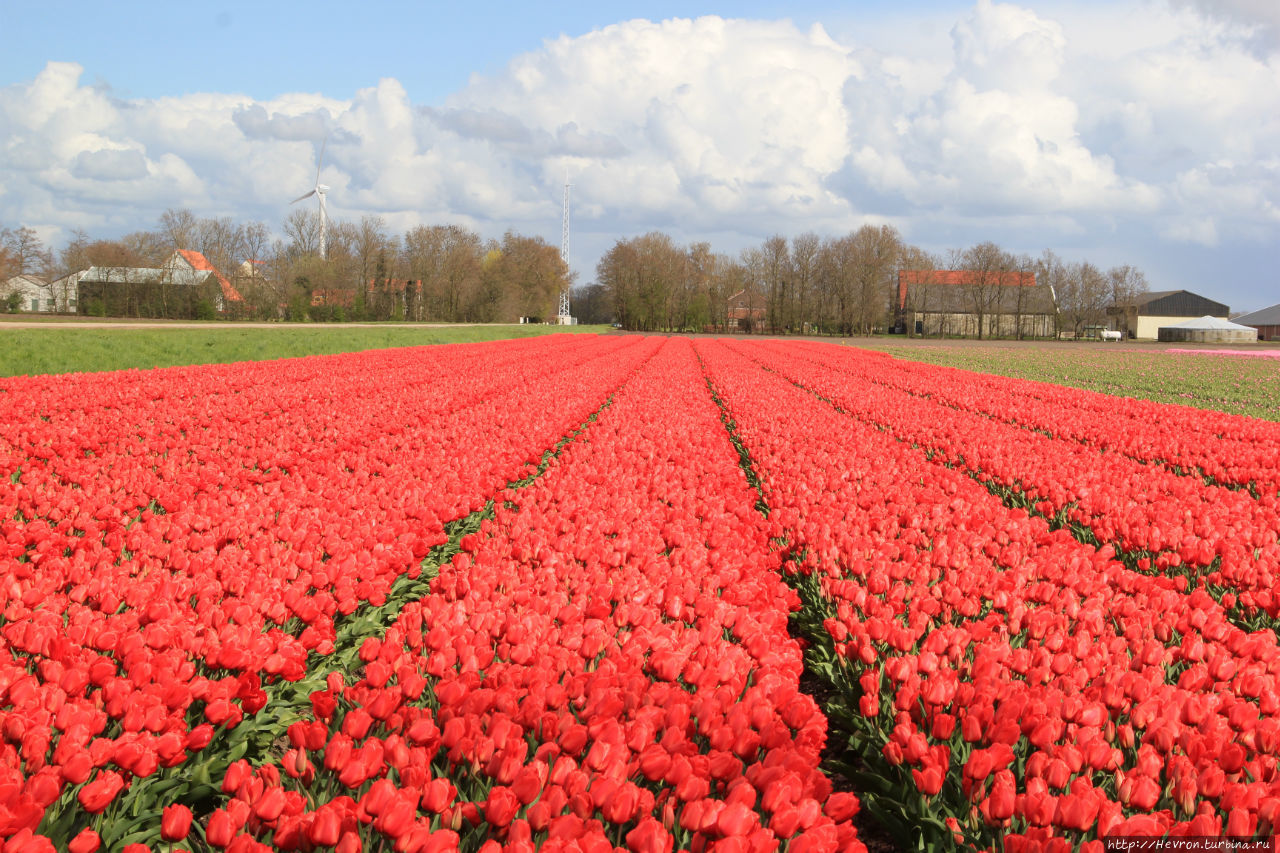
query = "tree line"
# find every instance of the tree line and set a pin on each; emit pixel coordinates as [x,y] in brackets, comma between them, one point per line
[444,273]
[841,285]
[803,285]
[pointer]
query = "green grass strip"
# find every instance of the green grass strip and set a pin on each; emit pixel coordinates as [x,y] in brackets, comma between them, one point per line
[72,348]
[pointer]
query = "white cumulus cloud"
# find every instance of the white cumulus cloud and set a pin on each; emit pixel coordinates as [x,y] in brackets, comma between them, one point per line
[1133,122]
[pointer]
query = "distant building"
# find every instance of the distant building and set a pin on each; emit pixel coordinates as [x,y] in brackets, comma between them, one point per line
[1207,330]
[1142,316]
[64,291]
[181,288]
[32,293]
[745,318]
[974,303]
[250,269]
[1265,320]
[192,263]
[26,293]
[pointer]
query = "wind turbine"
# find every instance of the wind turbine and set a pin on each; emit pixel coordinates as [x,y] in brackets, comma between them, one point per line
[319,192]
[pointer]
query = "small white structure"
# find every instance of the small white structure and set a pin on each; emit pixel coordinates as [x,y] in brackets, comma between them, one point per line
[1207,330]
[1111,335]
[26,293]
[33,294]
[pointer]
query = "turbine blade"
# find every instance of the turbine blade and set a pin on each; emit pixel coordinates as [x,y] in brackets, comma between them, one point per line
[301,197]
[320,160]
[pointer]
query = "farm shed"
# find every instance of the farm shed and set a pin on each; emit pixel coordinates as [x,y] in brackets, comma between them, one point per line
[975,303]
[175,289]
[1144,315]
[31,293]
[1265,320]
[1207,330]
[26,293]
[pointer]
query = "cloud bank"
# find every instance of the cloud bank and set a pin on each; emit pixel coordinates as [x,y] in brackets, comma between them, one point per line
[1150,129]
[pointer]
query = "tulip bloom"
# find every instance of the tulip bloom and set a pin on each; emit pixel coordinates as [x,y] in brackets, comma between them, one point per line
[99,793]
[175,822]
[85,841]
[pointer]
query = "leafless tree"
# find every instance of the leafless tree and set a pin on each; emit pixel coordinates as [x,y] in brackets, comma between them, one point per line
[448,261]
[302,231]
[179,228]
[804,277]
[1125,283]
[987,263]
[875,260]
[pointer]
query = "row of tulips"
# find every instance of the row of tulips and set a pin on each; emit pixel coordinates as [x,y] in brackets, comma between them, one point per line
[1030,689]
[606,665]
[179,547]
[1223,538]
[1231,450]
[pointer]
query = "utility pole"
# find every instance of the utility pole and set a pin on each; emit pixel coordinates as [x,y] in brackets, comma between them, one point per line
[563,318]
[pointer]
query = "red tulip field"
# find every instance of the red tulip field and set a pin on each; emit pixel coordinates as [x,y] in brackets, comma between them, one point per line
[599,593]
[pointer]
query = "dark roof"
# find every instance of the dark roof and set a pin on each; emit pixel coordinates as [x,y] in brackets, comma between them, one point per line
[1269,316]
[1153,295]
[1175,303]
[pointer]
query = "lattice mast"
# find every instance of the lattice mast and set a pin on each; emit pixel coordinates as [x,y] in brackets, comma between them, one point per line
[563,318]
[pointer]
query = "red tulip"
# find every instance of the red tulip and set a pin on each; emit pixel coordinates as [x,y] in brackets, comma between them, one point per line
[326,827]
[501,806]
[220,829]
[85,841]
[99,793]
[649,836]
[175,822]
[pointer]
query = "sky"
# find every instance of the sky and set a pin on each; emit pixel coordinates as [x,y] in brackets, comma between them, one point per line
[1143,132]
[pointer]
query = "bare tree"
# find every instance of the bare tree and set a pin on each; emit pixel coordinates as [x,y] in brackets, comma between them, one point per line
[1125,283]
[179,227]
[448,261]
[987,263]
[837,280]
[1020,295]
[26,255]
[28,250]
[1052,272]
[302,231]
[875,260]
[643,276]
[804,277]
[772,266]
[695,299]
[371,241]
[1094,294]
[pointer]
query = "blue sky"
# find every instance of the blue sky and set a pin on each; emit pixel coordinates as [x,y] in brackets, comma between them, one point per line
[1144,132]
[146,49]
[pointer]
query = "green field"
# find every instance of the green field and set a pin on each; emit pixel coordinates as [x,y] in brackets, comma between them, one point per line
[69,348]
[1245,385]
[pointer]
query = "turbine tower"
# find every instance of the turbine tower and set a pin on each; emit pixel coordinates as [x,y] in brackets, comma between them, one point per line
[563,317]
[319,192]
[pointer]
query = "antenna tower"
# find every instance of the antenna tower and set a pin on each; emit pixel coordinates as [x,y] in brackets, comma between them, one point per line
[563,318]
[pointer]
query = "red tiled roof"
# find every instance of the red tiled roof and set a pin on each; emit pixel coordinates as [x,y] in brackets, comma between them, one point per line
[960,277]
[199,262]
